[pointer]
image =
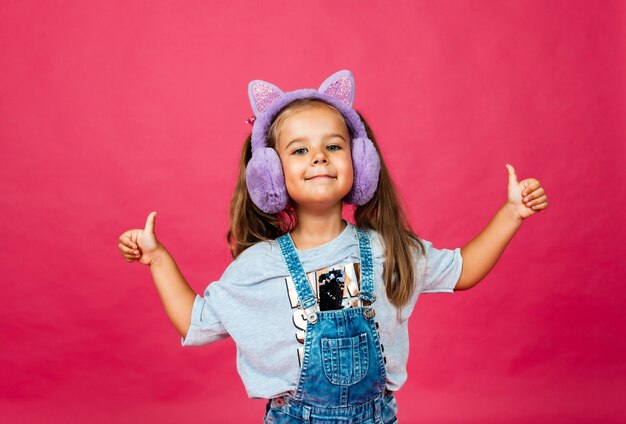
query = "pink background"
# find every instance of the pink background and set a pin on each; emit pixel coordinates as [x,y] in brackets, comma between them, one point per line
[109,110]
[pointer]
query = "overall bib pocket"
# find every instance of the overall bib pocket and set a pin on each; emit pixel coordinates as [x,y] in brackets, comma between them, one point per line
[345,359]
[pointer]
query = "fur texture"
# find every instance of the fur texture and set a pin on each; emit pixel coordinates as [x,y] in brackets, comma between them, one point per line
[264,173]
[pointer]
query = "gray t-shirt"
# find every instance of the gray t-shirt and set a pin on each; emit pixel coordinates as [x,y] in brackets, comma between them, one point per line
[255,303]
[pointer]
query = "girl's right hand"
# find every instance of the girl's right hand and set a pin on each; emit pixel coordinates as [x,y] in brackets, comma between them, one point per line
[141,245]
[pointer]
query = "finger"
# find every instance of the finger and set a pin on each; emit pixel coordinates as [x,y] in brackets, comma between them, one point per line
[512,176]
[538,201]
[535,194]
[128,242]
[129,258]
[150,222]
[127,250]
[530,184]
[539,207]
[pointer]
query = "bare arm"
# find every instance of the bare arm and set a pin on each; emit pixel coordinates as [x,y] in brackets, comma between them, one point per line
[525,198]
[177,296]
[481,253]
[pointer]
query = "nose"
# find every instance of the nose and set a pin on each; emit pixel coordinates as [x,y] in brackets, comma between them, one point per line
[320,157]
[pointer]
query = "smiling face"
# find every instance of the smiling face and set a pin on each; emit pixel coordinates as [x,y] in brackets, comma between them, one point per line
[313,144]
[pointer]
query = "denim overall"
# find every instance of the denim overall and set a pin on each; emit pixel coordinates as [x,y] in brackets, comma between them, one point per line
[342,377]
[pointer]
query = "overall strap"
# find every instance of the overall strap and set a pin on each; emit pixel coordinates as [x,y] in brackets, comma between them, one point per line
[366,267]
[306,297]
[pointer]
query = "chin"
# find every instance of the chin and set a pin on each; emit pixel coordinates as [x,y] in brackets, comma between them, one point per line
[320,201]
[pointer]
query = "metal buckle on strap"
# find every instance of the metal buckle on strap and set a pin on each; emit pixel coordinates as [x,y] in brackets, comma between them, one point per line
[311,314]
[369,312]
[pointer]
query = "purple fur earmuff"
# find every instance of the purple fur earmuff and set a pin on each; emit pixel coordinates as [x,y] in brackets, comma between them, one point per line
[264,172]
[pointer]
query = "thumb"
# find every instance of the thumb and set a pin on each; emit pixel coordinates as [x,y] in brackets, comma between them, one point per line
[512,176]
[150,223]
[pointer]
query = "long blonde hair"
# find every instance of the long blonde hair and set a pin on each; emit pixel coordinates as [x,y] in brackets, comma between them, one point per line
[383,213]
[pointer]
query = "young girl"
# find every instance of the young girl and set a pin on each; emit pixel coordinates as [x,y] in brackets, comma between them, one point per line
[317,305]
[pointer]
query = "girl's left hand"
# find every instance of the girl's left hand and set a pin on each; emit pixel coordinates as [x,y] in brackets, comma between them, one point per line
[526,197]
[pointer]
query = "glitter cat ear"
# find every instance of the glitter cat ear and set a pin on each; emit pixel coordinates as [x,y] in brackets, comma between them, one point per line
[262,94]
[340,86]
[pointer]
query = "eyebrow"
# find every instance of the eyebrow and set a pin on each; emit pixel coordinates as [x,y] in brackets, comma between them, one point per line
[327,136]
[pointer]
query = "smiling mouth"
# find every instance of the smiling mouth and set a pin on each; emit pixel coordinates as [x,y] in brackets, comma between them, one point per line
[319,177]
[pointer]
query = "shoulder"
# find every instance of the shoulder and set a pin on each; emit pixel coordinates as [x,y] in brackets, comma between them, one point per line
[378,245]
[260,249]
[258,262]
[424,254]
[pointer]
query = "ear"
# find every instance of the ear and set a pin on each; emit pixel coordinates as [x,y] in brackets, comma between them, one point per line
[340,86]
[262,94]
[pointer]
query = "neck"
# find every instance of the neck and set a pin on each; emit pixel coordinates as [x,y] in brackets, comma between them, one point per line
[316,227]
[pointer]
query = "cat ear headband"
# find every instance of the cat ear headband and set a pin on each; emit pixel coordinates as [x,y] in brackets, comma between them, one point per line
[264,172]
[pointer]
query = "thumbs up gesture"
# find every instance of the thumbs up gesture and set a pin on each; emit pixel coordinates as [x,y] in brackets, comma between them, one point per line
[141,244]
[526,197]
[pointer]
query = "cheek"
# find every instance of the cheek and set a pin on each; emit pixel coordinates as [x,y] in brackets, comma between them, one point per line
[347,168]
[291,171]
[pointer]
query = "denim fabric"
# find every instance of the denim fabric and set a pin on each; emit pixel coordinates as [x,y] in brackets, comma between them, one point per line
[343,377]
[294,412]
[255,303]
